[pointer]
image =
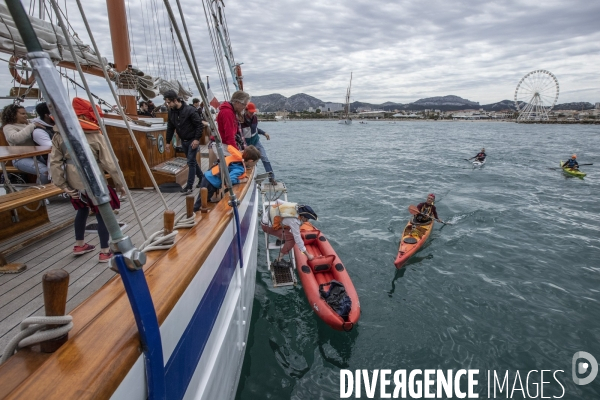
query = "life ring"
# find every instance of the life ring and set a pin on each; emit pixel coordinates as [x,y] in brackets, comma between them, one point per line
[239,76]
[12,62]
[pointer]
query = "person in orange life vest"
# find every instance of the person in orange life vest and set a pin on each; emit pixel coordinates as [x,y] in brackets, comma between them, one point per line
[427,210]
[289,232]
[237,162]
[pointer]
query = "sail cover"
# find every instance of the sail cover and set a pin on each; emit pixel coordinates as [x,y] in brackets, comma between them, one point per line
[51,38]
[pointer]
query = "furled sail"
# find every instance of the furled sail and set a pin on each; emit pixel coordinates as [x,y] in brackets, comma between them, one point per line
[51,38]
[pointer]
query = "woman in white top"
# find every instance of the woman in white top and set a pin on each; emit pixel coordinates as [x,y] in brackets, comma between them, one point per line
[19,132]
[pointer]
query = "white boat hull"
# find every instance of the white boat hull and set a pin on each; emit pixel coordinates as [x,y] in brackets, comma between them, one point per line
[204,336]
[478,164]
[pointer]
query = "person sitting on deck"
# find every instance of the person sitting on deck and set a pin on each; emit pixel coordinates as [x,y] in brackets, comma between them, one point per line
[480,156]
[19,132]
[143,110]
[44,130]
[250,130]
[572,163]
[237,162]
[287,229]
[427,210]
[66,176]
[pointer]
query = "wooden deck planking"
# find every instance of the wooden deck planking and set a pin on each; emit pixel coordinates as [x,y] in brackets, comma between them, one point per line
[21,294]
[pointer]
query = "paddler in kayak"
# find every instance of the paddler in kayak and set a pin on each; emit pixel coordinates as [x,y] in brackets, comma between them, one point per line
[427,210]
[572,163]
[480,156]
[287,228]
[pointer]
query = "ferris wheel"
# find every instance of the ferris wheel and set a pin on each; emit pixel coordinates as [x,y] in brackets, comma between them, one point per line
[536,94]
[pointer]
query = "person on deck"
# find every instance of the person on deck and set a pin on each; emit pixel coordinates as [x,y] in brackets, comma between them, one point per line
[66,176]
[237,162]
[44,130]
[151,107]
[143,110]
[480,156]
[184,119]
[572,163]
[250,130]
[229,118]
[427,210]
[19,132]
[288,231]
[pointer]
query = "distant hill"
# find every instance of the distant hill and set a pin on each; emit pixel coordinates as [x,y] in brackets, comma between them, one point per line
[578,106]
[302,102]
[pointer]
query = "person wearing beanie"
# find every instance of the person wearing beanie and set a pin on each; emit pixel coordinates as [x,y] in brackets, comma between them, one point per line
[184,120]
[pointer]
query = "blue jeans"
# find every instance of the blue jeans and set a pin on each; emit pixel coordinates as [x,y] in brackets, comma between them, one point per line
[193,167]
[211,191]
[264,158]
[27,165]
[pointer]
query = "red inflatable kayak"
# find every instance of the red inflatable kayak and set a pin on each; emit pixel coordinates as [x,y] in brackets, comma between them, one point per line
[321,270]
[413,238]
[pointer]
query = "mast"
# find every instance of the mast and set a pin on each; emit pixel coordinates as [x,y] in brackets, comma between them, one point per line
[117,19]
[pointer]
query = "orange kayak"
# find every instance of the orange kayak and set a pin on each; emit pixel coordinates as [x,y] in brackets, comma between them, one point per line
[324,268]
[413,238]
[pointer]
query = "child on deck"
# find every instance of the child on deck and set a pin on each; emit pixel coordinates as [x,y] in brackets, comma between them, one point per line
[237,162]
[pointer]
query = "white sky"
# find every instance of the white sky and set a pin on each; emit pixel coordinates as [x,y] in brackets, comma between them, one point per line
[398,51]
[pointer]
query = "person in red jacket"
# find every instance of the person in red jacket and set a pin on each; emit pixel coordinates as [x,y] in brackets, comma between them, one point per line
[228,119]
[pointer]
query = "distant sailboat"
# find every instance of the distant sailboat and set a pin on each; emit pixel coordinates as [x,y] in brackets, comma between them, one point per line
[347,120]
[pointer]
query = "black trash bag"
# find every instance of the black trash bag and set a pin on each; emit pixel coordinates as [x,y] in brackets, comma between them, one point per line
[337,298]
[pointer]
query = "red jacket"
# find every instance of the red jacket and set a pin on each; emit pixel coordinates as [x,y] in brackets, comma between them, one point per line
[227,124]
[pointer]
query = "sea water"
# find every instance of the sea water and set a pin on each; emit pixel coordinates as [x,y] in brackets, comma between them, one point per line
[512,285]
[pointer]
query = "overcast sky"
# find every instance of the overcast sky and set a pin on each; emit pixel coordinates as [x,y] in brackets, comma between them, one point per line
[398,51]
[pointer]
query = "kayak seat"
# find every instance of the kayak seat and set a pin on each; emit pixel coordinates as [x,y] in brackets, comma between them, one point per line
[309,237]
[321,263]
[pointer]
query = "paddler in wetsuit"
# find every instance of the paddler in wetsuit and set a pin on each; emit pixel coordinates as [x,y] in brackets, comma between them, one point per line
[572,163]
[427,210]
[480,156]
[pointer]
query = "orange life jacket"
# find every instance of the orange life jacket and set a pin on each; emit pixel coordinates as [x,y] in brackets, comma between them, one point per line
[236,156]
[88,125]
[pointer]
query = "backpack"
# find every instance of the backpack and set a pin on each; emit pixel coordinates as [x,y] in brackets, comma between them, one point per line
[337,298]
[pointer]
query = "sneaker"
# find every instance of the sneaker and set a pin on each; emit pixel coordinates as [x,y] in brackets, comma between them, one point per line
[105,257]
[272,181]
[86,248]
[186,190]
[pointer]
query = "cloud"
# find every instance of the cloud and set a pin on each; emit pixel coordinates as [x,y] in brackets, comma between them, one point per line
[397,50]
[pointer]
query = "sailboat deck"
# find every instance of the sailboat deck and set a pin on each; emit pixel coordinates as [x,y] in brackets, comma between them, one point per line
[21,294]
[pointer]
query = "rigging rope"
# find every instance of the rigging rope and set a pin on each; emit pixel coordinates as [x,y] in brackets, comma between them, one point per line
[125,119]
[216,50]
[30,334]
[100,121]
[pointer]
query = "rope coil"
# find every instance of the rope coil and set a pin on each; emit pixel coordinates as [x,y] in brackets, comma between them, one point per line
[31,333]
[160,241]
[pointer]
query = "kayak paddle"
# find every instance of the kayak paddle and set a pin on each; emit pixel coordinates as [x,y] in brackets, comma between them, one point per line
[413,210]
[587,164]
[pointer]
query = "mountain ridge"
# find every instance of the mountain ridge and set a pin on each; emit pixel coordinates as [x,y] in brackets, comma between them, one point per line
[302,102]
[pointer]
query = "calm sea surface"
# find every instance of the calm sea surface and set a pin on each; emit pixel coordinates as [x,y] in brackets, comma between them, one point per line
[513,284]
